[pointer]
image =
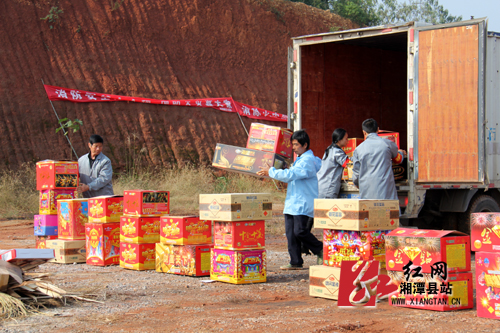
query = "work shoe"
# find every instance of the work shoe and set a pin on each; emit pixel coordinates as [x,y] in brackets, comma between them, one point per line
[290,267]
[320,258]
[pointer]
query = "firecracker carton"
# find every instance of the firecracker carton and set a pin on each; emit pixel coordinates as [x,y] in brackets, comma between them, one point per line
[273,139]
[433,292]
[356,214]
[41,241]
[324,281]
[185,230]
[146,203]
[389,135]
[140,257]
[51,175]
[139,230]
[105,209]
[192,260]
[67,251]
[425,248]
[48,200]
[236,206]
[103,243]
[20,256]
[488,284]
[485,232]
[243,235]
[246,160]
[343,245]
[45,225]
[238,267]
[72,214]
[352,143]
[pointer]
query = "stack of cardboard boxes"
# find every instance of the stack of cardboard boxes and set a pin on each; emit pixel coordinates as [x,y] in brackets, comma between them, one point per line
[184,247]
[140,227]
[238,255]
[485,238]
[266,145]
[55,180]
[102,232]
[354,230]
[431,269]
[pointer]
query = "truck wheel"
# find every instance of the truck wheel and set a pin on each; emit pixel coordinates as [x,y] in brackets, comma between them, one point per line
[480,203]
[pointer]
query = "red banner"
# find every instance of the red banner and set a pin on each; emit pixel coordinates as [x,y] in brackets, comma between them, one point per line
[226,104]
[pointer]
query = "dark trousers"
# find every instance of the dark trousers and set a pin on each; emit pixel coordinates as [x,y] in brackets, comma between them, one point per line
[297,233]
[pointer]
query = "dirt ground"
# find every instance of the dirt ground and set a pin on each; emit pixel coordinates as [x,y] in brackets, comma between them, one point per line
[147,301]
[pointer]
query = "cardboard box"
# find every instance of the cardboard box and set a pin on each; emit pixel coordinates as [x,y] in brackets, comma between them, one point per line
[103,243]
[72,214]
[485,232]
[392,136]
[140,257]
[193,260]
[246,160]
[236,206]
[356,214]
[41,241]
[273,139]
[243,235]
[68,251]
[340,245]
[185,230]
[488,284]
[139,230]
[238,267]
[48,200]
[146,203]
[460,287]
[324,281]
[426,247]
[45,225]
[17,256]
[105,209]
[52,175]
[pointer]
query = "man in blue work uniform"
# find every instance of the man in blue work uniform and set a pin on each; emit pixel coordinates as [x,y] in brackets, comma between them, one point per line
[95,170]
[299,202]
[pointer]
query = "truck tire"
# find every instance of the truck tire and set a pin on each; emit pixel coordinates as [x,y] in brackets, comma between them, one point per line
[479,203]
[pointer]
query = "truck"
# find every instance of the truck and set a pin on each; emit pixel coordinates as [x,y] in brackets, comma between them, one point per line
[437,85]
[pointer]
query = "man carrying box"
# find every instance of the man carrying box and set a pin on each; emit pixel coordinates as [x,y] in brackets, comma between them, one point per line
[95,170]
[372,164]
[299,202]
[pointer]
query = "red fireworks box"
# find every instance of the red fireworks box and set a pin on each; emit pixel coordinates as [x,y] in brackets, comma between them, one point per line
[102,243]
[52,175]
[433,293]
[238,267]
[185,230]
[48,200]
[72,214]
[392,136]
[105,209]
[488,284]
[140,257]
[41,241]
[193,260]
[352,143]
[273,139]
[146,203]
[427,247]
[241,235]
[485,232]
[340,245]
[139,230]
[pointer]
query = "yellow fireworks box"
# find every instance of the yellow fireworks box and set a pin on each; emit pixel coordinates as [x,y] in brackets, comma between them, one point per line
[185,230]
[356,214]
[193,260]
[140,257]
[238,267]
[139,230]
[67,251]
[105,209]
[236,206]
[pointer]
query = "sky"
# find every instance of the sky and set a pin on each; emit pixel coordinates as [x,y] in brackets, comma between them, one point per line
[476,8]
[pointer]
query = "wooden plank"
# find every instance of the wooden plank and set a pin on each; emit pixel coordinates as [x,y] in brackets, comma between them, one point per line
[448,105]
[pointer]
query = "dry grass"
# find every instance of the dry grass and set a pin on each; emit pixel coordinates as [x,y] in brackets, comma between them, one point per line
[18,194]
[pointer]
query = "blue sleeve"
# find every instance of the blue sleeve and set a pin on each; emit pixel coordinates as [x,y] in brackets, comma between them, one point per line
[300,170]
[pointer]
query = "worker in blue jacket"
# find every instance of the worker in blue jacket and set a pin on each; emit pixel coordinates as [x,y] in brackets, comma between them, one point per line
[299,202]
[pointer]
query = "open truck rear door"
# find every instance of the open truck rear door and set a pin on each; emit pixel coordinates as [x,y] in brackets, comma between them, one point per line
[449,92]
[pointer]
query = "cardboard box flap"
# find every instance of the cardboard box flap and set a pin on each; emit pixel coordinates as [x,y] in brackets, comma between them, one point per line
[406,232]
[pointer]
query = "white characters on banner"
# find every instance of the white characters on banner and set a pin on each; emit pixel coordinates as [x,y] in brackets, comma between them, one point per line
[61,93]
[228,104]
[165,102]
[208,103]
[75,94]
[176,103]
[188,103]
[246,111]
[198,103]
[256,112]
[90,96]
